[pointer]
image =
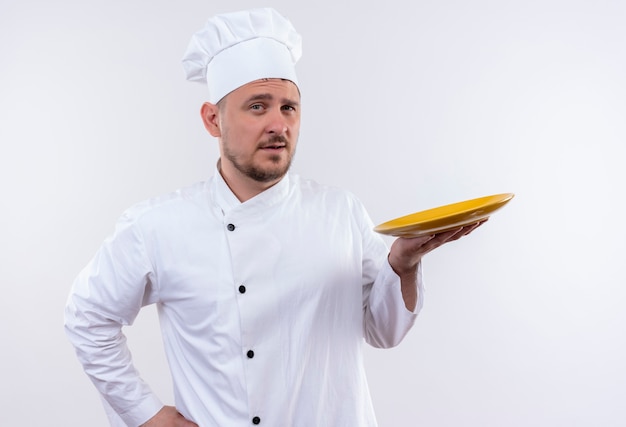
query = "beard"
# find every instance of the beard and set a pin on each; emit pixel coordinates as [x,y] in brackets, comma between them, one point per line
[257,172]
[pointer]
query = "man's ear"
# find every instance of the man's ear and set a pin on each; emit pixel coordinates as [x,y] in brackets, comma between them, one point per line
[210,118]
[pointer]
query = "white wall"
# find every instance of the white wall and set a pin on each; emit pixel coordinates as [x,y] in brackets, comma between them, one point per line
[409,105]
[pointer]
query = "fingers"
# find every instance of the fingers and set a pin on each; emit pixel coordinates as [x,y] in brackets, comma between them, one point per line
[184,422]
[169,416]
[434,241]
[457,233]
[406,253]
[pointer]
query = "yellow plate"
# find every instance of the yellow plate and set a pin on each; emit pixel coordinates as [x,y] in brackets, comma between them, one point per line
[444,218]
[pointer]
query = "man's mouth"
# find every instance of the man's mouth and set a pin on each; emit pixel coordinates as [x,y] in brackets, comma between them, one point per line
[274,144]
[273,147]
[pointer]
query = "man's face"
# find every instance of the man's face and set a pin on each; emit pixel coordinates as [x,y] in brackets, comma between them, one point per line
[259,125]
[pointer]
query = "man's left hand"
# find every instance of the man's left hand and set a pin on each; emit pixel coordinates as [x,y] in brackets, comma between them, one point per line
[406,254]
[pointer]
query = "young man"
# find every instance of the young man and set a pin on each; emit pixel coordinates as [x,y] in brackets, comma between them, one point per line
[267,284]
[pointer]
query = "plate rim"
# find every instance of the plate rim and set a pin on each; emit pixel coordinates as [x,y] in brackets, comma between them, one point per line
[500,200]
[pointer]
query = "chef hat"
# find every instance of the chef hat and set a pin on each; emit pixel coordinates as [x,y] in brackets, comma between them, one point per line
[237,48]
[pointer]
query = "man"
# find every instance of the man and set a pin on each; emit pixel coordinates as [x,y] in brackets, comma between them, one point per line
[266,284]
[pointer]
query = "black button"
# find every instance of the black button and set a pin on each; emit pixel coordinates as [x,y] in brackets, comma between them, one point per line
[230,227]
[256,420]
[250,354]
[242,289]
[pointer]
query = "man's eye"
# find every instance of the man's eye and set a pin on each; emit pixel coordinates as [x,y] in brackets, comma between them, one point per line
[288,108]
[256,107]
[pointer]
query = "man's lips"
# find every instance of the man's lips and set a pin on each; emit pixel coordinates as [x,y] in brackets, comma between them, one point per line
[273,144]
[272,147]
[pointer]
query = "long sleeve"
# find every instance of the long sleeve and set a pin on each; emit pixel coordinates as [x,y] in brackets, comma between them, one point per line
[386,320]
[107,295]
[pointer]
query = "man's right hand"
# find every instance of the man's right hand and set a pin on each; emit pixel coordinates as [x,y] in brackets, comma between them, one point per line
[168,416]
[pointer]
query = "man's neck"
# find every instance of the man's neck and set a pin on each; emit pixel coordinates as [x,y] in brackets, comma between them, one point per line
[243,187]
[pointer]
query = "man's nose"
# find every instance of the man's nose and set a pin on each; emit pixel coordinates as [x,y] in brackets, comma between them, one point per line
[277,123]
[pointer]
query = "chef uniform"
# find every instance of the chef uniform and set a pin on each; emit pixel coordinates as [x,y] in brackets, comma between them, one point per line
[264,305]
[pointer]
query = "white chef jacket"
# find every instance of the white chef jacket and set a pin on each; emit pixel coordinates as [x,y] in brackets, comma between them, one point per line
[264,305]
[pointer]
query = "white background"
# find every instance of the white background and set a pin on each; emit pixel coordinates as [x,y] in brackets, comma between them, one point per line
[409,105]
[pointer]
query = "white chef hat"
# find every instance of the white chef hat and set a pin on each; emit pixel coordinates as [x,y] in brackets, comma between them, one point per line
[237,48]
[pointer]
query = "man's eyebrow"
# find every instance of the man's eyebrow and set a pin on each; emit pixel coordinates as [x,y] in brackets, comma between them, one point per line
[260,97]
[270,97]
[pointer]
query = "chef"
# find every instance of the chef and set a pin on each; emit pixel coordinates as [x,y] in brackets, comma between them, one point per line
[267,284]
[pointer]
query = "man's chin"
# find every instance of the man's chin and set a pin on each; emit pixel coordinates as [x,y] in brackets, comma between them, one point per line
[267,174]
